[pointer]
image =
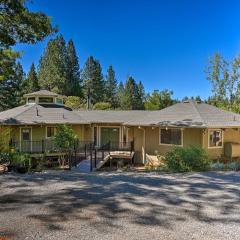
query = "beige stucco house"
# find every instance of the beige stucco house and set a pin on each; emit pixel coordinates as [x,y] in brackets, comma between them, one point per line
[183,124]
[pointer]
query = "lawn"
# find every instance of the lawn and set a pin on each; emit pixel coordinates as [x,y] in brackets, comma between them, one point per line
[72,205]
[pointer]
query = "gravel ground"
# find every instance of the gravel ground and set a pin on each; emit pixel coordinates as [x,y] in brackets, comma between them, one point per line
[74,205]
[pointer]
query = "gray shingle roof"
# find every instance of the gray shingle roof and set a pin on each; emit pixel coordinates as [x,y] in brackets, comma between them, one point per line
[188,114]
[42,93]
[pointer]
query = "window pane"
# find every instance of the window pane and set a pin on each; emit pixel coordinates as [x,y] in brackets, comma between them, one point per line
[26,134]
[171,136]
[215,138]
[50,132]
[46,100]
[31,100]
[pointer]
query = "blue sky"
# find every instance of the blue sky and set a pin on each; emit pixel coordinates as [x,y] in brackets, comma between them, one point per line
[165,44]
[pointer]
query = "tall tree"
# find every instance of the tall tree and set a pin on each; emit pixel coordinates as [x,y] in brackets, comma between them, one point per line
[31,82]
[93,82]
[132,98]
[11,89]
[73,84]
[111,87]
[120,95]
[159,100]
[140,96]
[52,73]
[19,25]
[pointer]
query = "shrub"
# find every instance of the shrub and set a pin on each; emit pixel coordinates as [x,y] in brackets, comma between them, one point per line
[218,166]
[234,166]
[102,106]
[191,158]
[19,160]
[175,160]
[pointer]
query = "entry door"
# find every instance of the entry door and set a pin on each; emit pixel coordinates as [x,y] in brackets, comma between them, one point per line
[26,141]
[109,134]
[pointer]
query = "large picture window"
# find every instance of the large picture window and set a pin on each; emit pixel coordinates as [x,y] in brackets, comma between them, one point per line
[171,136]
[45,100]
[215,138]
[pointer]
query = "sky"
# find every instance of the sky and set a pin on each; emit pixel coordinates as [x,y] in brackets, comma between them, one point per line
[164,43]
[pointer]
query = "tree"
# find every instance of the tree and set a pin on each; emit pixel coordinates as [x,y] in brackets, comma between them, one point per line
[11,89]
[120,95]
[159,100]
[52,73]
[73,84]
[217,74]
[111,87]
[93,82]
[75,103]
[132,98]
[19,25]
[31,83]
[102,106]
[140,96]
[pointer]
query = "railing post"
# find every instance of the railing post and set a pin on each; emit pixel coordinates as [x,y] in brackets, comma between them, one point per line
[43,148]
[95,158]
[91,166]
[85,149]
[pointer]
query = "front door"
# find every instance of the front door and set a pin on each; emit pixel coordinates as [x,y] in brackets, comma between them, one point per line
[26,143]
[109,134]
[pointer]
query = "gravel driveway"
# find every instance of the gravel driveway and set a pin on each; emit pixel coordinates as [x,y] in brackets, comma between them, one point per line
[73,205]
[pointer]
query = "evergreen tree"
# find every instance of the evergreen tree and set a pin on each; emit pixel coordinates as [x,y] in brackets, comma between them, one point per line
[93,82]
[52,74]
[73,84]
[120,95]
[111,87]
[31,83]
[140,96]
[131,97]
[10,89]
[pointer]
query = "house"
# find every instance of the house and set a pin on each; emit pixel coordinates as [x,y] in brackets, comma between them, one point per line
[183,124]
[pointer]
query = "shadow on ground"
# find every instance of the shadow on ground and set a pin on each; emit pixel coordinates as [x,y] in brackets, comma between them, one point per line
[51,200]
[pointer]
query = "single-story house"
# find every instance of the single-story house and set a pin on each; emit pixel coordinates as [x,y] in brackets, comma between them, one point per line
[183,124]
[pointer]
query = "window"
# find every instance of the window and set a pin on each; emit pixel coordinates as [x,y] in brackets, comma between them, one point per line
[26,134]
[46,100]
[59,101]
[215,138]
[31,100]
[171,136]
[50,132]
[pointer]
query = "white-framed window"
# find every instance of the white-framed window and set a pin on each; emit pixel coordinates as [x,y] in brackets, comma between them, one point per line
[50,132]
[59,101]
[215,138]
[171,136]
[31,100]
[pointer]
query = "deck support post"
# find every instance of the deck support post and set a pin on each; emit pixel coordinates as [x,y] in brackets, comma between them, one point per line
[91,166]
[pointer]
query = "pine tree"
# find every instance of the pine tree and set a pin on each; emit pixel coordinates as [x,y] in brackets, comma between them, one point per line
[52,74]
[130,97]
[31,83]
[140,96]
[111,87]
[10,89]
[73,84]
[93,82]
[120,95]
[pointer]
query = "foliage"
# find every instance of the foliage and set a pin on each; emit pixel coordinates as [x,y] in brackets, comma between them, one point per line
[159,100]
[218,166]
[4,157]
[52,73]
[102,106]
[5,133]
[132,95]
[75,103]
[191,158]
[93,82]
[64,138]
[11,89]
[31,83]
[233,166]
[19,25]
[20,160]
[111,87]
[73,83]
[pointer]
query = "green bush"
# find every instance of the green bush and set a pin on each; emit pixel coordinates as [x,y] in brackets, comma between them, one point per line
[187,159]
[233,166]
[218,166]
[21,160]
